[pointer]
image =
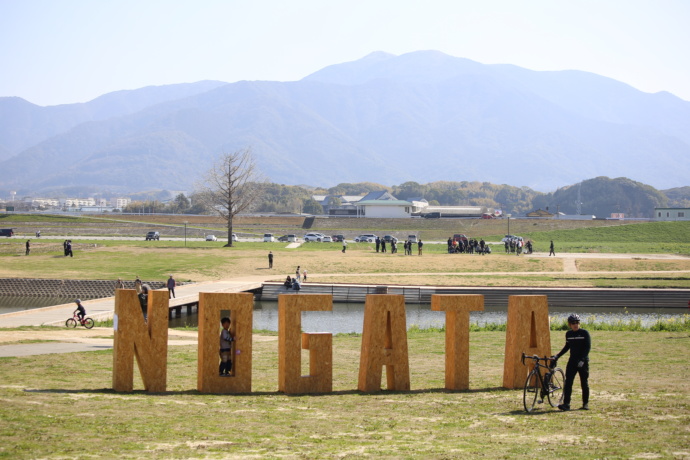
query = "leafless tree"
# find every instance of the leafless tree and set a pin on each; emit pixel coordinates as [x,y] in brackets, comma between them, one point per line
[232,186]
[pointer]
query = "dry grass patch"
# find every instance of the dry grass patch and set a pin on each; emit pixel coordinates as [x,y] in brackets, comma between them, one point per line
[635,264]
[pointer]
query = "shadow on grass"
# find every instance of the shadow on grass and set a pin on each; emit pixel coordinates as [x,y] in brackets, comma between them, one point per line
[258,393]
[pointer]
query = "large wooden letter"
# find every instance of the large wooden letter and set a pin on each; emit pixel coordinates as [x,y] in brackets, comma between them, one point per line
[457,308]
[527,331]
[320,346]
[384,343]
[241,308]
[134,337]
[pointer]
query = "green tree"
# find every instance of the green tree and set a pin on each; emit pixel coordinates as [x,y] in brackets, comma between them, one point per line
[311,206]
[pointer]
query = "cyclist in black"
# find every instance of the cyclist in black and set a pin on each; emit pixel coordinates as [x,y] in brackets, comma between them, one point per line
[579,343]
[81,311]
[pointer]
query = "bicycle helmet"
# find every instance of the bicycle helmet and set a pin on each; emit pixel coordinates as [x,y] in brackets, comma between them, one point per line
[77,301]
[574,318]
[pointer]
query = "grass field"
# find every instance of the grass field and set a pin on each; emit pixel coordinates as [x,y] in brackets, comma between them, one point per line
[61,407]
[203,261]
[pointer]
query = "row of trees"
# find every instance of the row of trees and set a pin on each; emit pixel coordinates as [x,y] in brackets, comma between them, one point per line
[235,185]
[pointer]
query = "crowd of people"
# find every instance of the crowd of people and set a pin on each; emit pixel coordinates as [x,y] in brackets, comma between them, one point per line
[468,246]
[517,246]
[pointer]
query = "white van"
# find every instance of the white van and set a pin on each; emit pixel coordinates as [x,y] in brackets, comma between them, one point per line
[268,238]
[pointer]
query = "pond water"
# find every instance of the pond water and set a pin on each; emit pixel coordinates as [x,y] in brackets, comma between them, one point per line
[349,317]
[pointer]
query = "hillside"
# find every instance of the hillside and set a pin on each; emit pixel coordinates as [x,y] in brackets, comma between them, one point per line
[422,116]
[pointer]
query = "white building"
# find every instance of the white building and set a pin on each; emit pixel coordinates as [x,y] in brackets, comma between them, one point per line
[120,202]
[79,202]
[671,214]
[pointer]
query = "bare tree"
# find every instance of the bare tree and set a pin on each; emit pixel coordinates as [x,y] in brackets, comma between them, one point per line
[232,186]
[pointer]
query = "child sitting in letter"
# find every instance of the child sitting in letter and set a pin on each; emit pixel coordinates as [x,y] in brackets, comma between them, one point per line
[226,340]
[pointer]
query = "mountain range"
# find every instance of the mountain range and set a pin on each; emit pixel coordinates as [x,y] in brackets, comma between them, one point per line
[422,116]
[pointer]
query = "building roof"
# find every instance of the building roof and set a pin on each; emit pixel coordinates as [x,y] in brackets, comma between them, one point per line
[379,195]
[383,203]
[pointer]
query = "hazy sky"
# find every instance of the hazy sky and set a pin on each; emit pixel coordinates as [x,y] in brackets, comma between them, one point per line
[64,51]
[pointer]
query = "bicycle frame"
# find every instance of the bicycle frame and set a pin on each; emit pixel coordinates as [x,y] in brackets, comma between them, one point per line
[548,383]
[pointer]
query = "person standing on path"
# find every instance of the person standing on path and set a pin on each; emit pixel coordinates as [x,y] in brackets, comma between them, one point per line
[69,249]
[171,287]
[420,245]
[344,245]
[28,246]
[378,243]
[579,343]
[304,275]
[551,251]
[270,259]
[297,274]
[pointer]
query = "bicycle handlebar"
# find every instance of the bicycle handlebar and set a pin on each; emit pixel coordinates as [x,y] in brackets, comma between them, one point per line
[536,358]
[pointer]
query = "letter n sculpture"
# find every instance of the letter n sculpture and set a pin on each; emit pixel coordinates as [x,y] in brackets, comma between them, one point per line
[527,331]
[384,343]
[320,346]
[135,337]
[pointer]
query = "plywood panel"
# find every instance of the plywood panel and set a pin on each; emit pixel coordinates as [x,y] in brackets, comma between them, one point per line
[241,316]
[384,343]
[527,331]
[135,338]
[457,308]
[291,341]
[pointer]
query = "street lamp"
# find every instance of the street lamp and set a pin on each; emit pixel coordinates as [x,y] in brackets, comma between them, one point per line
[185,233]
[508,222]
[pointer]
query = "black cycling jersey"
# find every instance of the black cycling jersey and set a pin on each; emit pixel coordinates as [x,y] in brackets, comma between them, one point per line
[579,344]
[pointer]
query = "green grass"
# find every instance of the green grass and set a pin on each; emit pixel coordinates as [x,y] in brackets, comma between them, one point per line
[63,407]
[648,237]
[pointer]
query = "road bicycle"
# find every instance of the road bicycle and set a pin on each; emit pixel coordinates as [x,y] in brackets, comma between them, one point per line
[74,320]
[539,387]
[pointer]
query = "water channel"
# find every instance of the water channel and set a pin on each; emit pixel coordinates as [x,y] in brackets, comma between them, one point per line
[349,317]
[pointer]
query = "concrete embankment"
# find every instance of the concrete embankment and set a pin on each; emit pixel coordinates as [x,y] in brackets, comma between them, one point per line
[83,289]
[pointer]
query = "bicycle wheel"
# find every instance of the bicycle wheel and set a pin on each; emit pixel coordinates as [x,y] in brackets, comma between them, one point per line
[71,323]
[555,394]
[531,392]
[88,323]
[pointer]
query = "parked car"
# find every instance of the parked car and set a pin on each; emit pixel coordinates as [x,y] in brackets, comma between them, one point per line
[314,237]
[290,238]
[459,237]
[365,239]
[511,237]
[412,238]
[211,238]
[8,232]
[338,238]
[327,239]
[268,238]
[153,236]
[389,238]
